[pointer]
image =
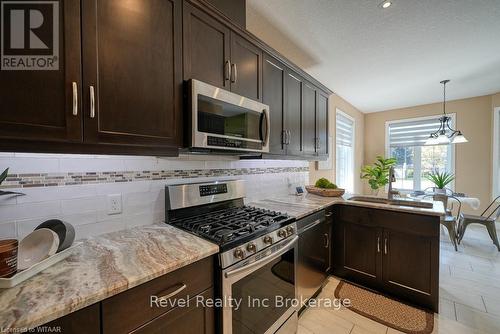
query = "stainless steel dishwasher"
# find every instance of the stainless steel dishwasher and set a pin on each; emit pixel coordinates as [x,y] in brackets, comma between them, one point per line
[313,254]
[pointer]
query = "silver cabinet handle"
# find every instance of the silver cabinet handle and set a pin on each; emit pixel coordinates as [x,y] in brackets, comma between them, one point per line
[234,73]
[92,102]
[283,137]
[173,293]
[289,136]
[75,98]
[329,214]
[227,70]
[327,240]
[385,246]
[378,244]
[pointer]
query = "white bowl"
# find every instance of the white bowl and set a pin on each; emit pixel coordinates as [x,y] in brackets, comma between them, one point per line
[35,247]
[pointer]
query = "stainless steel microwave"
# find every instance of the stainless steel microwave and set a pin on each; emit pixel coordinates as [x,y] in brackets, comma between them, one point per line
[221,120]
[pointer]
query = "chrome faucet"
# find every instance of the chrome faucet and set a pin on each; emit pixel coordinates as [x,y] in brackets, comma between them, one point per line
[392,178]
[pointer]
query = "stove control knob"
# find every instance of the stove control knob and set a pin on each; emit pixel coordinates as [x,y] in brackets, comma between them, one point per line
[251,247]
[289,230]
[238,253]
[282,233]
[268,239]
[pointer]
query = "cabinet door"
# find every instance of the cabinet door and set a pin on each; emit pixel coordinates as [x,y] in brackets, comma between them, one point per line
[132,60]
[361,253]
[246,68]
[84,321]
[293,112]
[308,119]
[273,85]
[410,266]
[184,320]
[328,235]
[38,104]
[206,44]
[322,124]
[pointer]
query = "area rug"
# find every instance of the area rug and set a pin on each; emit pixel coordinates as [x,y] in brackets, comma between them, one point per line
[389,312]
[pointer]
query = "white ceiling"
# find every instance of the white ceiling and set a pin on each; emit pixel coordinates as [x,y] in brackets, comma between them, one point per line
[384,59]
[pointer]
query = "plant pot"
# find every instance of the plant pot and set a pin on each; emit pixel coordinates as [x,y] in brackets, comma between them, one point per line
[374,192]
[440,191]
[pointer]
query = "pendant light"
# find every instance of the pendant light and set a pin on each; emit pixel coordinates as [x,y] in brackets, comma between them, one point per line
[445,134]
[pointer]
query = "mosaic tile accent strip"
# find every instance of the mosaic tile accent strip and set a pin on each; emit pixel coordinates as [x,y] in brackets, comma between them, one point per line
[65,179]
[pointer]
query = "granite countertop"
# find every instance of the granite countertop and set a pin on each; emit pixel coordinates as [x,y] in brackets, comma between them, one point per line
[301,206]
[102,267]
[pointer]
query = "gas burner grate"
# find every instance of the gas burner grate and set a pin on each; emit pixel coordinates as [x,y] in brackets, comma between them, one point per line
[230,224]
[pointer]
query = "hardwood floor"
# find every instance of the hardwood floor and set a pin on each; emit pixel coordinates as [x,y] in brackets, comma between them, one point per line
[469,294]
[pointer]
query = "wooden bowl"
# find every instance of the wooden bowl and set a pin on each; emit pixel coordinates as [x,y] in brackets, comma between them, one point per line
[325,192]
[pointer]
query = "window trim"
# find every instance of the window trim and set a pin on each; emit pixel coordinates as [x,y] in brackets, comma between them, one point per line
[496,152]
[422,118]
[353,154]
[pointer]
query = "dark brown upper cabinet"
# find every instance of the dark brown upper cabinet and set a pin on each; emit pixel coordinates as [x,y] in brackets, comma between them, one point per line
[322,124]
[46,104]
[293,113]
[218,56]
[206,44]
[309,141]
[131,72]
[246,68]
[273,90]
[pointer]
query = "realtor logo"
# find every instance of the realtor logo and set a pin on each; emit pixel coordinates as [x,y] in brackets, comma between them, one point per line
[30,35]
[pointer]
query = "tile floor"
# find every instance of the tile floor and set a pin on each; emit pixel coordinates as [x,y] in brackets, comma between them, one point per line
[469,294]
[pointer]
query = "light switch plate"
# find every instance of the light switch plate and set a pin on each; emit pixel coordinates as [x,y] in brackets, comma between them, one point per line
[114,204]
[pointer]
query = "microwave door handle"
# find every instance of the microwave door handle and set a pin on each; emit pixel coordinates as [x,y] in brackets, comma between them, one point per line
[264,260]
[263,116]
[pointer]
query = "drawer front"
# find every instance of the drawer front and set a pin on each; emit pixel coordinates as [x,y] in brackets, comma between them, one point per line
[133,308]
[355,214]
[184,320]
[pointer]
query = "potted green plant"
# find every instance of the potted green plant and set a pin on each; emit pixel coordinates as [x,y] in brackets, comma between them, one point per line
[3,176]
[441,180]
[378,173]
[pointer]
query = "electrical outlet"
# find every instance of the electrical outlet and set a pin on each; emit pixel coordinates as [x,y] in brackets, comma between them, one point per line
[114,204]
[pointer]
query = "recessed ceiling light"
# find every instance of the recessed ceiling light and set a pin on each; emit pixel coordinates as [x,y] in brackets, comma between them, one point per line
[386,4]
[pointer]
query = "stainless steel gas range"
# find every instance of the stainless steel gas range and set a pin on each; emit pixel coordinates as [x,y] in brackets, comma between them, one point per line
[257,259]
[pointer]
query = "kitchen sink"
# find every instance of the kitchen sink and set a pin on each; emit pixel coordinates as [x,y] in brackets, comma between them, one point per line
[399,201]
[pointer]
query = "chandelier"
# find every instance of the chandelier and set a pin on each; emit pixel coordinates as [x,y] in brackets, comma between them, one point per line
[445,134]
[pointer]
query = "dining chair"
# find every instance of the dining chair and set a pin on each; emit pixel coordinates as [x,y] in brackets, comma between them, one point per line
[486,220]
[450,221]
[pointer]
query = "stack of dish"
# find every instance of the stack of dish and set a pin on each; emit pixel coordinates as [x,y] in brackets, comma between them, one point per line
[49,243]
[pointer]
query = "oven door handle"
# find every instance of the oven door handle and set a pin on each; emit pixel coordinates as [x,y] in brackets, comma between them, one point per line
[264,260]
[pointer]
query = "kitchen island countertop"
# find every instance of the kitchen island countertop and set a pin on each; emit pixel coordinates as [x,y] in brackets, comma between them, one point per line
[301,206]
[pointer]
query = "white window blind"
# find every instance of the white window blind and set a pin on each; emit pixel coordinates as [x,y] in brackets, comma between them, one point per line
[411,133]
[344,151]
[415,161]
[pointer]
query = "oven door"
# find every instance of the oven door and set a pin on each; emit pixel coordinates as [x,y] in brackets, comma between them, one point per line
[265,285]
[227,121]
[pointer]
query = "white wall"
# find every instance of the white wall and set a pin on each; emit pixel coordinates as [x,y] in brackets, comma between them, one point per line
[85,206]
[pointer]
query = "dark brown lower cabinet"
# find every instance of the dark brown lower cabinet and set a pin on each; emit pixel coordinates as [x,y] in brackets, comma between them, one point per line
[137,310]
[183,320]
[84,321]
[393,252]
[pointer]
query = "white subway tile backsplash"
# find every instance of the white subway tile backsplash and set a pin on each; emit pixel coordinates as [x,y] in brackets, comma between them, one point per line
[82,205]
[143,201]
[30,210]
[8,230]
[56,193]
[29,165]
[78,165]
